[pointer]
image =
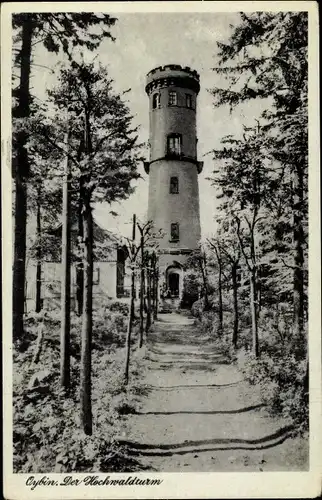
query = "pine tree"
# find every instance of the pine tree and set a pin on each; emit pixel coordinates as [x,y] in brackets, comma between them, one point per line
[104,169]
[247,186]
[56,31]
[266,58]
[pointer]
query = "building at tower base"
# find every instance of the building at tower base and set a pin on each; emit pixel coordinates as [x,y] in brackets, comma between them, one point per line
[173,170]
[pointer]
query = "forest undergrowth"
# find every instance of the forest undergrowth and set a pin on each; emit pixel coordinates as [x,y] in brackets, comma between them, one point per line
[47,432]
[280,371]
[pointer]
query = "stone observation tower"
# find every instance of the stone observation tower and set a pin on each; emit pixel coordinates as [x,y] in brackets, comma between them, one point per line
[173,169]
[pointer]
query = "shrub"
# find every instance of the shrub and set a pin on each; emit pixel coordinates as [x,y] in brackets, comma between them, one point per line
[120,307]
[279,371]
[190,290]
[47,434]
[280,376]
[197,308]
[225,347]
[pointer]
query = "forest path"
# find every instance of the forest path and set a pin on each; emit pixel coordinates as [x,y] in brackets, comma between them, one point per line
[198,413]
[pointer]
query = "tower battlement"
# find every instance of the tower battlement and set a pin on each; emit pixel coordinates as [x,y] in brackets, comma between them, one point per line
[174,67]
[172,74]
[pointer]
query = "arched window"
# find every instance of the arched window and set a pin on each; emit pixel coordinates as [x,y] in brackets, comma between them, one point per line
[174,185]
[174,144]
[156,101]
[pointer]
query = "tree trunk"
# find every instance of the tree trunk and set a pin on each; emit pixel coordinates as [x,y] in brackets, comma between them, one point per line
[20,175]
[65,284]
[79,288]
[38,269]
[156,290]
[220,311]
[205,284]
[298,240]
[253,306]
[86,355]
[235,302]
[259,292]
[80,267]
[129,330]
[148,296]
[142,291]
[39,344]
[131,311]
[306,383]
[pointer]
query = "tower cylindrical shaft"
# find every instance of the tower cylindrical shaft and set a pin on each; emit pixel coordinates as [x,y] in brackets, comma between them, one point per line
[173,167]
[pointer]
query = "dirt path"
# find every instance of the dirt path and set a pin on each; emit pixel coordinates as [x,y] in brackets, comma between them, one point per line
[198,413]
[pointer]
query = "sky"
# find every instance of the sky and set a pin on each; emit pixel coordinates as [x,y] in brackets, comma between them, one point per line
[143,42]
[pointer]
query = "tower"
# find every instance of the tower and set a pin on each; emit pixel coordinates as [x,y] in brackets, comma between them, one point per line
[173,169]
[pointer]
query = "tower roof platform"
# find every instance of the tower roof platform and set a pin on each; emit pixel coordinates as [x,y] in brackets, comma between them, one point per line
[172,74]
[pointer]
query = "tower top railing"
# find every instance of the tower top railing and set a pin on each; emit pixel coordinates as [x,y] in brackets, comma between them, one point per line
[172,74]
[173,67]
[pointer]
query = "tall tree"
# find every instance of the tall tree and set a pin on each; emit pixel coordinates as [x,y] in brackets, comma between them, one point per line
[148,260]
[133,251]
[266,57]
[104,170]
[44,209]
[66,274]
[144,231]
[215,245]
[87,324]
[197,261]
[39,257]
[231,249]
[247,185]
[55,31]
[155,284]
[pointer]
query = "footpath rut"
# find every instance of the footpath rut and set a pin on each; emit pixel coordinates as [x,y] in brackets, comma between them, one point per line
[199,414]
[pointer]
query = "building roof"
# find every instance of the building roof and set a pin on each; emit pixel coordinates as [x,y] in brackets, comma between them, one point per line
[105,242]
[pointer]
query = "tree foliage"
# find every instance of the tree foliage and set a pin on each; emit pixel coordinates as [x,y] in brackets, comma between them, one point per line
[260,177]
[263,174]
[55,31]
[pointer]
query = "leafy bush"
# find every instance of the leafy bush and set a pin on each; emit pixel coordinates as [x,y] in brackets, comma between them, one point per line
[197,308]
[190,290]
[225,347]
[280,376]
[47,433]
[280,369]
[120,307]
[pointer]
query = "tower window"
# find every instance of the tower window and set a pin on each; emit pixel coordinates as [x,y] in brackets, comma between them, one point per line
[174,185]
[175,231]
[156,101]
[174,144]
[96,276]
[172,98]
[189,100]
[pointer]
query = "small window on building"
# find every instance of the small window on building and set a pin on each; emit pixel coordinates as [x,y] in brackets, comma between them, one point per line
[172,98]
[156,101]
[189,100]
[175,231]
[96,276]
[174,144]
[174,185]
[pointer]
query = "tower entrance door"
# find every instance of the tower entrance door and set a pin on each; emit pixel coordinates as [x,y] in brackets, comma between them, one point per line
[173,284]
